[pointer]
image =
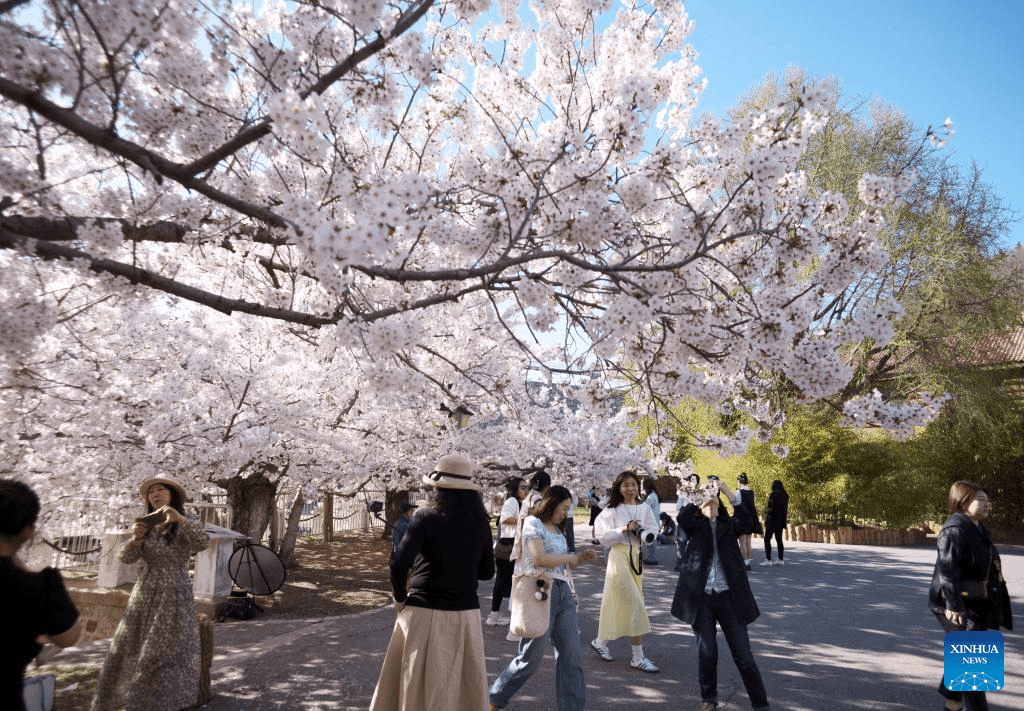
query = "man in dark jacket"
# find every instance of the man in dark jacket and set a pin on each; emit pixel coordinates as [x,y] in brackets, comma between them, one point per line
[713,589]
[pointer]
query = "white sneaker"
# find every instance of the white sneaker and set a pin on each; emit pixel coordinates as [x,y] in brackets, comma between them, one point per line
[780,562]
[766,563]
[644,664]
[504,619]
[513,637]
[493,620]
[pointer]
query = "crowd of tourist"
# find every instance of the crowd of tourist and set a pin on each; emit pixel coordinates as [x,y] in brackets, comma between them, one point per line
[435,658]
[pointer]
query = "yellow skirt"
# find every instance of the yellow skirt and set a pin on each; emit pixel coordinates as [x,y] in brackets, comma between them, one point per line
[435,660]
[622,608]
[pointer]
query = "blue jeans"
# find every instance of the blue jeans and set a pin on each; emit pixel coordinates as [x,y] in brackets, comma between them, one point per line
[718,608]
[564,633]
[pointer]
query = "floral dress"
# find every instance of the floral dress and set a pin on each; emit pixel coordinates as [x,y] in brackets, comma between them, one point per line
[153,662]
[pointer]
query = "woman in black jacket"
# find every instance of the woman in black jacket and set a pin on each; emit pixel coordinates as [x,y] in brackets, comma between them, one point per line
[775,521]
[435,659]
[967,557]
[713,589]
[36,605]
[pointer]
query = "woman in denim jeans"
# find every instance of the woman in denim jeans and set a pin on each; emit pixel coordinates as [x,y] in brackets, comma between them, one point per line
[544,546]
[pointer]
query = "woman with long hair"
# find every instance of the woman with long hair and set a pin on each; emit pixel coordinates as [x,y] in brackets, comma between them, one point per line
[435,659]
[35,604]
[153,661]
[776,513]
[967,559]
[515,491]
[623,613]
[545,547]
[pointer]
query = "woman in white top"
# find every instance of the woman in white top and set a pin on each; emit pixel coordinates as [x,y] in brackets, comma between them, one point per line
[623,613]
[544,546]
[515,491]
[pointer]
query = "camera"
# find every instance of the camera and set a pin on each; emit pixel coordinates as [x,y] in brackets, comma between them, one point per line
[646,535]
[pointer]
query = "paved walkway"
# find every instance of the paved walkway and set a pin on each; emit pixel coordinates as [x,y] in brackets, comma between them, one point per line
[842,628]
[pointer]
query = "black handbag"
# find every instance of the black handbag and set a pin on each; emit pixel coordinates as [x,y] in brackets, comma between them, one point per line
[974,589]
[503,548]
[977,589]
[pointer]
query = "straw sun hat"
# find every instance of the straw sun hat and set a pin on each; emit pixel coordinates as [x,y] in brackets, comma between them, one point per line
[161,479]
[452,471]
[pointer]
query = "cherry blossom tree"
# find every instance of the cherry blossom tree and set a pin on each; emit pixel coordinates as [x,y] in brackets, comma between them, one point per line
[368,178]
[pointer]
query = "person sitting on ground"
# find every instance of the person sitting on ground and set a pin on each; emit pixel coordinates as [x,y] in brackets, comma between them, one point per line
[401,525]
[35,605]
[667,532]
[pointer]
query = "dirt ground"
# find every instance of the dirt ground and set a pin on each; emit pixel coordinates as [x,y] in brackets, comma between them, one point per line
[345,576]
[338,578]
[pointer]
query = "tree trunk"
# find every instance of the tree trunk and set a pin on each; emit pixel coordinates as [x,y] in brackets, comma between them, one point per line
[291,531]
[250,499]
[275,525]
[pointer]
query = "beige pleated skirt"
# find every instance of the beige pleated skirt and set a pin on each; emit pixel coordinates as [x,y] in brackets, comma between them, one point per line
[623,613]
[434,662]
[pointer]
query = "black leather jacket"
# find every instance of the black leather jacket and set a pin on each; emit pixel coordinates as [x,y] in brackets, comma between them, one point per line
[696,566]
[966,552]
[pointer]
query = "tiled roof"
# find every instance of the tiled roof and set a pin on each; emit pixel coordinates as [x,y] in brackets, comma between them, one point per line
[998,349]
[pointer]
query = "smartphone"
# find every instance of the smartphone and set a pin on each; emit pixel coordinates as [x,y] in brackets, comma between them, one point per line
[152,519]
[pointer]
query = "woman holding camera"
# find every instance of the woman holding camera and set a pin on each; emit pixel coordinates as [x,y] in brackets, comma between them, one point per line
[153,662]
[624,525]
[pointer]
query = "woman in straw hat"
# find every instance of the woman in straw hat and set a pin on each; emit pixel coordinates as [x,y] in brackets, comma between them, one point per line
[435,659]
[153,661]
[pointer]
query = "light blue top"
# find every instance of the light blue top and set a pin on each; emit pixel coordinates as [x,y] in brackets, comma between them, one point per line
[554,544]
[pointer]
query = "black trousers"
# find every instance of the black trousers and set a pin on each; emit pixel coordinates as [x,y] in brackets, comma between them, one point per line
[972,700]
[768,533]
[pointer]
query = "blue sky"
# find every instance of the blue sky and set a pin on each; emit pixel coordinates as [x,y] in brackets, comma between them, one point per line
[932,59]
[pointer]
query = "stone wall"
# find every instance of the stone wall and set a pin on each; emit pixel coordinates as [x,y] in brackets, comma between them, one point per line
[101,609]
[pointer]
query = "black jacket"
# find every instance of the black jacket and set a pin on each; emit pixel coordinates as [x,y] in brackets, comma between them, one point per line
[777,510]
[696,566]
[438,567]
[966,552]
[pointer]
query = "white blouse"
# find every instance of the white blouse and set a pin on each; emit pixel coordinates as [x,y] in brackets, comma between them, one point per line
[610,524]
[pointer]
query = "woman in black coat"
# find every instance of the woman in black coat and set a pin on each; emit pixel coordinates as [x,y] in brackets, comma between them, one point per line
[775,521]
[966,555]
[708,596]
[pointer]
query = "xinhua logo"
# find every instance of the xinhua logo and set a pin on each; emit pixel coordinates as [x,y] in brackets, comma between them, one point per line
[973,661]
